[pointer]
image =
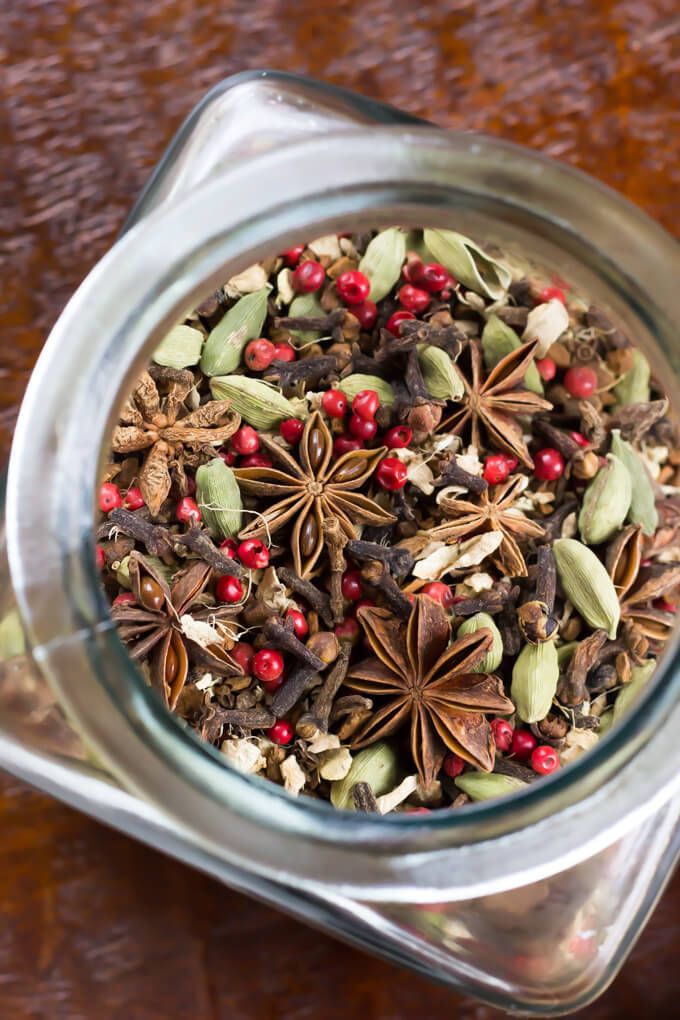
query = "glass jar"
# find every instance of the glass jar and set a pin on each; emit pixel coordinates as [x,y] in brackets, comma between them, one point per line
[530,903]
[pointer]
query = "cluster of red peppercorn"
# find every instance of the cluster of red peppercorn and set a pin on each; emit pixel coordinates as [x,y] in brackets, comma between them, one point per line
[519,744]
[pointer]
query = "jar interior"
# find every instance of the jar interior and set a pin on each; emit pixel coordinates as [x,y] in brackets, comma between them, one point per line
[529,255]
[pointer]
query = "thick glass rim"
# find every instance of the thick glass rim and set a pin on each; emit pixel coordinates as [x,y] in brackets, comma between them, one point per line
[148,279]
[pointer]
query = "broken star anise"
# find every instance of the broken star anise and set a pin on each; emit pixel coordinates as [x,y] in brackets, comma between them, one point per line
[638,593]
[312,490]
[493,511]
[152,422]
[152,626]
[430,684]
[493,402]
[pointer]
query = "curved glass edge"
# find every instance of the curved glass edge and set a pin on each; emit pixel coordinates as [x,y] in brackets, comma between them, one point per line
[360,831]
[306,92]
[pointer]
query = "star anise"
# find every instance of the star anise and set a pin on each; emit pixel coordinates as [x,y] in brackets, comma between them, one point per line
[153,628]
[430,684]
[151,422]
[312,490]
[493,402]
[638,588]
[493,511]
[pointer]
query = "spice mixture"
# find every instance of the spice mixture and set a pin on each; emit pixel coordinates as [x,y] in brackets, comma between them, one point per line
[393,522]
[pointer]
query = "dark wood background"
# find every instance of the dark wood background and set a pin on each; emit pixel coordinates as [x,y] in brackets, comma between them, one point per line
[94,926]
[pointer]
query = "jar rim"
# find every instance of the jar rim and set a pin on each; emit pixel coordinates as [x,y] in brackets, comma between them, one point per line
[102,341]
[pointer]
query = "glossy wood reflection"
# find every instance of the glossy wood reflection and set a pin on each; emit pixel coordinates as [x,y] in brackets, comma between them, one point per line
[96,927]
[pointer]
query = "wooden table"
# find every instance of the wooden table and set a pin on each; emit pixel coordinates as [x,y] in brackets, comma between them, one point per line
[96,927]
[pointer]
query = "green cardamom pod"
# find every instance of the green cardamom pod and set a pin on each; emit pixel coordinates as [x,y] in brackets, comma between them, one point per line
[642,509]
[587,584]
[382,261]
[534,681]
[498,340]
[306,306]
[180,347]
[493,657]
[243,322]
[546,323]
[487,785]
[441,377]
[12,638]
[355,383]
[628,695]
[259,403]
[634,387]
[375,765]
[606,502]
[468,263]
[219,498]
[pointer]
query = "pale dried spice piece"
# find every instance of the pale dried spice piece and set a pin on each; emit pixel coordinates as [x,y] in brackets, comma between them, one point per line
[576,743]
[320,741]
[419,472]
[389,801]
[293,777]
[284,287]
[271,592]
[199,631]
[248,281]
[477,583]
[244,755]
[328,246]
[441,559]
[569,527]
[206,682]
[347,248]
[335,763]
[546,323]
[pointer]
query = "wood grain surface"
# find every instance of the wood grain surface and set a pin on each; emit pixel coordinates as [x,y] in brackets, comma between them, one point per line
[94,926]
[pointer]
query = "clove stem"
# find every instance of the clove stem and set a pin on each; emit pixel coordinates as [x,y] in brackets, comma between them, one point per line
[376,574]
[284,639]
